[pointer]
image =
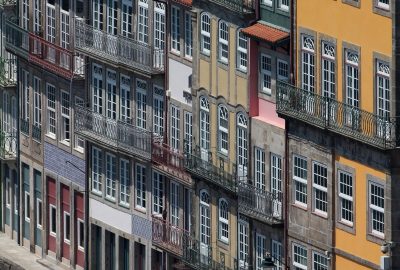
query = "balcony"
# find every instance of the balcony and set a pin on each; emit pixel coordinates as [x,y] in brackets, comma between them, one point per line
[8,146]
[337,117]
[242,6]
[8,72]
[24,126]
[115,134]
[8,3]
[171,162]
[180,243]
[259,204]
[17,40]
[215,169]
[118,49]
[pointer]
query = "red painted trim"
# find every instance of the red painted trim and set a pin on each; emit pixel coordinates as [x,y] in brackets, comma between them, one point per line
[65,207]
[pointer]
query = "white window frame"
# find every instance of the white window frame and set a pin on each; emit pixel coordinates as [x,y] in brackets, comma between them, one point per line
[97,170]
[143,21]
[282,70]
[37,102]
[51,111]
[242,144]
[97,89]
[66,240]
[27,204]
[223,218]
[343,197]
[300,180]
[223,42]
[383,5]
[188,122]
[277,254]
[243,242]
[64,32]
[205,32]
[383,98]
[188,36]
[352,79]
[276,175]
[318,176]
[261,249]
[25,14]
[175,29]
[66,117]
[296,256]
[51,24]
[266,74]
[374,208]
[6,112]
[320,262]
[141,105]
[112,18]
[98,14]
[8,193]
[174,203]
[25,96]
[111,97]
[52,233]
[111,176]
[328,66]
[158,193]
[175,127]
[284,5]
[267,2]
[159,25]
[140,187]
[124,183]
[223,129]
[39,214]
[205,218]
[308,64]
[125,98]
[79,234]
[158,113]
[126,17]
[259,168]
[242,45]
[204,123]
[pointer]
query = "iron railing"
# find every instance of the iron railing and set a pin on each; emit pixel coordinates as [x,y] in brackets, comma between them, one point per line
[117,134]
[179,242]
[17,39]
[259,203]
[8,71]
[118,49]
[37,133]
[338,117]
[213,168]
[242,6]
[24,126]
[8,145]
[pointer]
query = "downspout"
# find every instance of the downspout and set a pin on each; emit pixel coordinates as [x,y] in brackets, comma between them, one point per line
[333,203]
[86,194]
[18,158]
[166,71]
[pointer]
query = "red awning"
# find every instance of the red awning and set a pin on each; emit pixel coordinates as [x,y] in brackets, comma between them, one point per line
[265,32]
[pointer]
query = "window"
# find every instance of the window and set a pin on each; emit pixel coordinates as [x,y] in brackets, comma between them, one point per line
[141,102]
[141,186]
[158,193]
[241,130]
[384,4]
[223,221]
[259,168]
[25,95]
[159,25]
[188,130]
[65,116]
[284,5]
[53,220]
[300,179]
[205,33]
[266,71]
[204,124]
[320,188]
[112,17]
[223,42]
[51,27]
[277,253]
[97,164]
[188,35]
[174,204]
[124,188]
[25,14]
[127,11]
[175,127]
[352,79]
[16,198]
[51,110]
[97,90]
[6,112]
[377,209]
[283,70]
[67,228]
[383,99]
[205,221]
[175,29]
[346,197]
[125,105]
[328,70]
[111,95]
[98,14]
[111,175]
[276,175]
[81,234]
[37,102]
[261,249]
[320,262]
[223,129]
[39,214]
[308,63]
[143,21]
[64,31]
[242,51]
[79,144]
[299,257]
[27,209]
[267,2]
[8,193]
[158,114]
[243,243]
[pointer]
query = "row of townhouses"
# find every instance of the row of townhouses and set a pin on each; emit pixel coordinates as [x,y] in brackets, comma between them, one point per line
[195,134]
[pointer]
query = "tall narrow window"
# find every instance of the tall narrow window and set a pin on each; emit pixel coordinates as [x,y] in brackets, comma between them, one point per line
[51,23]
[111,175]
[205,33]
[308,64]
[125,95]
[175,29]
[158,193]
[242,138]
[204,124]
[158,111]
[223,116]
[39,214]
[141,104]
[65,117]
[81,234]
[188,35]
[243,227]
[300,180]
[111,95]
[377,209]
[143,21]
[98,14]
[37,16]
[276,175]
[383,99]
[346,198]
[175,127]
[97,90]
[27,209]
[37,102]
[53,220]
[25,96]
[299,257]
[328,70]
[282,70]
[242,51]
[124,186]
[97,165]
[259,168]
[65,28]
[265,73]
[6,112]
[223,42]
[67,228]
[25,14]
[188,130]
[126,14]
[159,25]
[141,186]
[223,221]
[320,262]
[205,222]
[112,17]
[352,78]
[261,249]
[174,203]
[320,188]
[277,253]
[51,110]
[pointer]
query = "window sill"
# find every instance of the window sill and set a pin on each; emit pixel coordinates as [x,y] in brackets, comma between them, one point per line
[300,205]
[320,214]
[346,226]
[66,143]
[81,249]
[110,199]
[39,227]
[375,238]
[27,220]
[124,205]
[80,150]
[53,234]
[68,242]
[176,52]
[97,193]
[51,136]
[140,209]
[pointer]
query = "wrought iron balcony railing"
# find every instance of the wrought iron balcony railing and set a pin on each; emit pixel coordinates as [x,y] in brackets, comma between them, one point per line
[180,243]
[24,126]
[17,39]
[260,204]
[116,134]
[8,145]
[170,161]
[8,72]
[242,6]
[336,116]
[118,49]
[37,133]
[211,167]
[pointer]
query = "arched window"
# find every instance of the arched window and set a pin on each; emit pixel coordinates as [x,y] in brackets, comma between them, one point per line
[223,42]
[205,229]
[241,51]
[204,123]
[242,144]
[223,221]
[223,116]
[205,33]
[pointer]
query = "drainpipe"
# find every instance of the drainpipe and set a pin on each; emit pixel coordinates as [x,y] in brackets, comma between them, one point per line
[333,203]
[86,192]
[18,158]
[166,70]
